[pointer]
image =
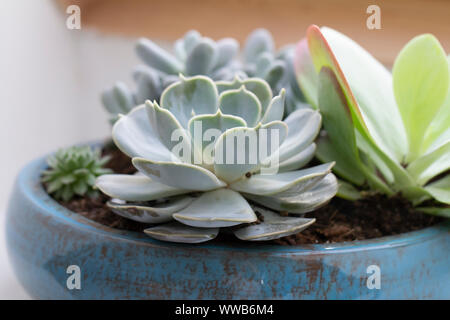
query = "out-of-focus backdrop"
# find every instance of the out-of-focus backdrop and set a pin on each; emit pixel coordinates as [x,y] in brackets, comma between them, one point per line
[50,76]
[286,19]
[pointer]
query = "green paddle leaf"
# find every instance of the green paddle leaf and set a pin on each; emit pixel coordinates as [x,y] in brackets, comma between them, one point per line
[338,122]
[421,81]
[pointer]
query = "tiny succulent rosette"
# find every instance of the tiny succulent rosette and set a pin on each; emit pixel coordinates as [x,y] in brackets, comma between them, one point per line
[191,182]
[388,132]
[73,171]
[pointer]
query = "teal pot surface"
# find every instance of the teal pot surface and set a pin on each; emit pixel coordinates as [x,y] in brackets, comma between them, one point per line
[58,254]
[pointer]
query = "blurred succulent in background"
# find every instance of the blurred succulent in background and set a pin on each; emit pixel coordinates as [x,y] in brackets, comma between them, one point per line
[388,132]
[197,55]
[193,55]
[196,192]
[73,171]
[261,60]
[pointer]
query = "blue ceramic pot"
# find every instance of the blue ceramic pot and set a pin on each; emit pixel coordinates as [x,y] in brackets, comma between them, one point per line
[44,239]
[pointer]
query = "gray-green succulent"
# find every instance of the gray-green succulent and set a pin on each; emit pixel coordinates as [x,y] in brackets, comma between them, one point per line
[190,192]
[193,55]
[73,171]
[196,55]
[260,59]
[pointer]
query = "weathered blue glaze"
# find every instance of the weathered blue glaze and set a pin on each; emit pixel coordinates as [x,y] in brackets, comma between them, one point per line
[45,238]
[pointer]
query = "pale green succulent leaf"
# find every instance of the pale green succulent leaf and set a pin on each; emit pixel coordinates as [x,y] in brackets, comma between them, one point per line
[275,110]
[90,180]
[263,64]
[190,96]
[53,186]
[66,193]
[242,154]
[282,184]
[258,86]
[241,103]
[148,85]
[401,177]
[421,82]
[415,194]
[168,80]
[299,160]
[135,187]
[201,58]
[303,127]
[338,123]
[258,42]
[440,140]
[261,89]
[118,99]
[205,130]
[190,40]
[134,135]
[157,58]
[306,74]
[68,178]
[373,158]
[227,49]
[80,187]
[275,73]
[438,132]
[430,165]
[327,151]
[435,211]
[227,73]
[304,202]
[179,175]
[154,213]
[179,49]
[167,128]
[219,121]
[177,232]
[440,189]
[274,226]
[347,191]
[219,208]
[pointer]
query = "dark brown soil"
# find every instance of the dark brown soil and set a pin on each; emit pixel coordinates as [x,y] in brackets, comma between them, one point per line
[373,217]
[340,220]
[119,162]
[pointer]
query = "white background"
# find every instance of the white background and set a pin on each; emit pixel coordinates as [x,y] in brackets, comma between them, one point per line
[50,79]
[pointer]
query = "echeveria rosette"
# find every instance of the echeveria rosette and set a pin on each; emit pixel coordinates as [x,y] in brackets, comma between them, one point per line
[388,131]
[260,59]
[195,199]
[192,55]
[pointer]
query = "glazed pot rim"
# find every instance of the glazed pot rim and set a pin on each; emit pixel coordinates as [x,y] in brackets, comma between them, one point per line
[28,182]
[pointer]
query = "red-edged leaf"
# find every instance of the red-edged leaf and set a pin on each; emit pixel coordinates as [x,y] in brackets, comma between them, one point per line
[306,73]
[338,123]
[322,56]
